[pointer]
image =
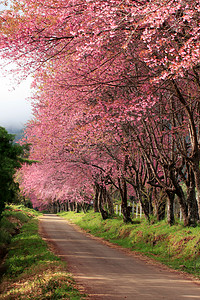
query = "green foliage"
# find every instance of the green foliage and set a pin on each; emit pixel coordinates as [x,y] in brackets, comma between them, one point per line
[5,237]
[24,210]
[175,246]
[27,250]
[10,223]
[10,154]
[18,215]
[13,217]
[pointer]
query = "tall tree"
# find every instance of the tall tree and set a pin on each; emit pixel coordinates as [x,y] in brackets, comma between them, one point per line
[10,161]
[102,66]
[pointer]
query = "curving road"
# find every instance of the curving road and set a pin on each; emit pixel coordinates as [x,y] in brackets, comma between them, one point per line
[108,273]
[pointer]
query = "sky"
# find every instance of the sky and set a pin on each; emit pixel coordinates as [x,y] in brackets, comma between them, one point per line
[15,107]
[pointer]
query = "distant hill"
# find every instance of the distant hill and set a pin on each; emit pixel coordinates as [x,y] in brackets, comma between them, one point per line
[18,132]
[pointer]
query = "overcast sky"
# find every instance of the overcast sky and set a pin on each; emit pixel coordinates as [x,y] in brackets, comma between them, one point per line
[15,108]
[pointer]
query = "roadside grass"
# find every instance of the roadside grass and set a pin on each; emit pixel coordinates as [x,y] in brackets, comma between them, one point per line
[176,246]
[13,217]
[31,270]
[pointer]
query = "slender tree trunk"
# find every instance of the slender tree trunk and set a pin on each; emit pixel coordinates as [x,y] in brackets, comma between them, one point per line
[66,206]
[58,206]
[160,215]
[192,206]
[126,211]
[103,212]
[96,197]
[196,170]
[108,200]
[142,203]
[170,208]
[160,204]
[184,211]
[181,198]
[71,205]
[183,206]
[54,207]
[191,199]
[77,207]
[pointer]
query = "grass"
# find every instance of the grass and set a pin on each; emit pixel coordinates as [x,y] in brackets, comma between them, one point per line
[32,271]
[175,246]
[11,221]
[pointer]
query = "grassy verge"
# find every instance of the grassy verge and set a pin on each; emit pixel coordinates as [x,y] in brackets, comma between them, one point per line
[32,271]
[176,246]
[12,220]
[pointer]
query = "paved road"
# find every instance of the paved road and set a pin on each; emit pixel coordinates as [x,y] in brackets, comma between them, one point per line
[108,273]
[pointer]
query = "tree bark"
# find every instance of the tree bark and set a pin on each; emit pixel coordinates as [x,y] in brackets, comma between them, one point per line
[109,202]
[126,211]
[160,204]
[196,170]
[181,198]
[96,196]
[191,200]
[77,209]
[170,208]
[103,212]
[143,204]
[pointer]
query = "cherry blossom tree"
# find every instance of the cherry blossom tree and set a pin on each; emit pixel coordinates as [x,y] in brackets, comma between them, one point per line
[103,69]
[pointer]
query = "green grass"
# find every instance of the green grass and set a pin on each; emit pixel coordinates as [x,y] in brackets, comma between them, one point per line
[32,271]
[12,220]
[175,246]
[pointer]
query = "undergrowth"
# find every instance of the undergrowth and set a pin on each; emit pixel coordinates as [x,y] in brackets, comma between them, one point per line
[176,246]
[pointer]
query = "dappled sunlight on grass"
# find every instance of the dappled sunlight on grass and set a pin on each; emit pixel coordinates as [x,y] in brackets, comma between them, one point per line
[51,283]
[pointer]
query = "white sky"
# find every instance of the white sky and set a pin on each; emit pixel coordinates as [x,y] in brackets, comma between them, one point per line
[15,108]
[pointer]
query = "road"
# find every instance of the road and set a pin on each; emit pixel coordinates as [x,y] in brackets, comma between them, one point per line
[109,273]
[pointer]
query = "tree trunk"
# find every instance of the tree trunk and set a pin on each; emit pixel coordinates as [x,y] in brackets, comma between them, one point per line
[84,207]
[183,205]
[170,208]
[142,203]
[65,206]
[192,202]
[126,211]
[160,213]
[77,209]
[96,197]
[196,171]
[103,212]
[181,198]
[57,206]
[54,207]
[108,200]
[71,205]
[160,204]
